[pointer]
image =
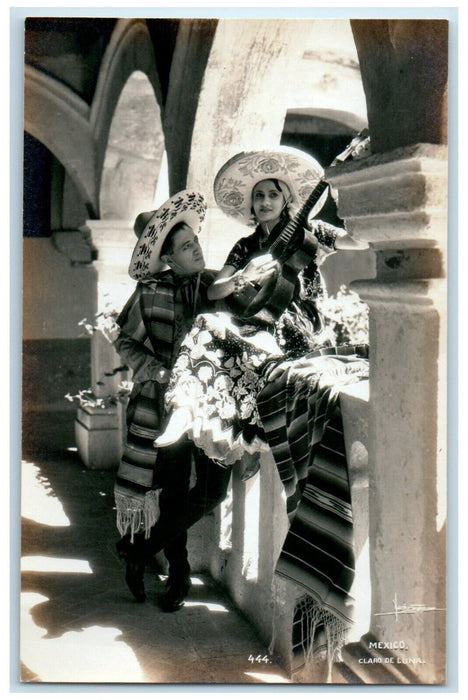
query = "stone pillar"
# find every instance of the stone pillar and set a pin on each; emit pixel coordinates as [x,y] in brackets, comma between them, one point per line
[192,50]
[251,67]
[398,202]
[113,242]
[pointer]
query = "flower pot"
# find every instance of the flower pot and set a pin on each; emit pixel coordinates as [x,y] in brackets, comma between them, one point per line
[98,435]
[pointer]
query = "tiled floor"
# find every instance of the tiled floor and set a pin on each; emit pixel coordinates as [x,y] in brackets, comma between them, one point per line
[79,623]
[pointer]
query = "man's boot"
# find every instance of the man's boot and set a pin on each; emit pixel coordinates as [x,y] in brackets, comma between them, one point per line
[178,582]
[178,586]
[135,569]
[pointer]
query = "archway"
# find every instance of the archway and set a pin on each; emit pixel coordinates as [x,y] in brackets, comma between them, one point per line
[134,153]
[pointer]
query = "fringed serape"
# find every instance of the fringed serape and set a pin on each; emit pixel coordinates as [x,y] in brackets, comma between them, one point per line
[136,500]
[302,421]
[153,323]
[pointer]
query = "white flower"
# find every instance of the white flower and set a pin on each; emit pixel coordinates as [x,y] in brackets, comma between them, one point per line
[213,357]
[250,377]
[189,341]
[184,382]
[223,382]
[256,360]
[211,393]
[216,323]
[247,407]
[199,349]
[182,362]
[204,337]
[226,408]
[205,373]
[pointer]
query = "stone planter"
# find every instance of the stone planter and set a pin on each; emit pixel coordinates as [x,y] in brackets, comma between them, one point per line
[98,435]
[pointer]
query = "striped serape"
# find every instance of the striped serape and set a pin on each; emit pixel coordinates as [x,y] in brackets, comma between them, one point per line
[301,417]
[153,323]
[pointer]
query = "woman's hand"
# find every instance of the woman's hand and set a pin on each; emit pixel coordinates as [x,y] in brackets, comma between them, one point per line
[260,269]
[275,370]
[230,280]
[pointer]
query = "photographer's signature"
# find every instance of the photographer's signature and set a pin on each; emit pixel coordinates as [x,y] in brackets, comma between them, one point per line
[405,609]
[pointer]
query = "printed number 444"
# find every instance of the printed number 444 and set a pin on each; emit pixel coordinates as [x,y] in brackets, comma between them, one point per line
[259,659]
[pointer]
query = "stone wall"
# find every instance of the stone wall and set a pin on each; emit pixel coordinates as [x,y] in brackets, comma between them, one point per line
[398,202]
[243,540]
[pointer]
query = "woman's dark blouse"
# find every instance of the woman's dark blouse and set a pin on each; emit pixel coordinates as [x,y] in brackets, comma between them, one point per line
[311,283]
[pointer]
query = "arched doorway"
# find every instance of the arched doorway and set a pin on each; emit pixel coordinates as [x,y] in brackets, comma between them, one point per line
[323,133]
[134,153]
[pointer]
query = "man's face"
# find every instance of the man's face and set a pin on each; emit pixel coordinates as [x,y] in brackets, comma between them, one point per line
[186,257]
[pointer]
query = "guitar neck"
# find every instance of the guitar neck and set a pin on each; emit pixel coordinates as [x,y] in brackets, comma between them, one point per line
[298,221]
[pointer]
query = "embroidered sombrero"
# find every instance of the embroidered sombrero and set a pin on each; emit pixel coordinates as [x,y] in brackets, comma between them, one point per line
[152,227]
[235,180]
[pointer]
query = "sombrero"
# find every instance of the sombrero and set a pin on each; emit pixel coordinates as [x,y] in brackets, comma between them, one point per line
[152,227]
[235,180]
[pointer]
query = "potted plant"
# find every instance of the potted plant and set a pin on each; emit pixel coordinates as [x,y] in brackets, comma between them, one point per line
[99,426]
[100,418]
[346,318]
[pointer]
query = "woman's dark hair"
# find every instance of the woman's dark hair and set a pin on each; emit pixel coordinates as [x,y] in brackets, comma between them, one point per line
[274,180]
[168,244]
[276,184]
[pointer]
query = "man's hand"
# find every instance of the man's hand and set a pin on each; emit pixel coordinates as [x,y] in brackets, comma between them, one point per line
[328,369]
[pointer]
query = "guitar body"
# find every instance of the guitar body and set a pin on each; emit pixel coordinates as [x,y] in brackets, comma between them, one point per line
[268,300]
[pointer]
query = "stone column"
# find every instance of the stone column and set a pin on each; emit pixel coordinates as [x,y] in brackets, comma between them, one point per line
[100,432]
[252,67]
[114,242]
[398,202]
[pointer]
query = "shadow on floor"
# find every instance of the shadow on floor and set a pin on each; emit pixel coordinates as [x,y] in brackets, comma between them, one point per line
[79,623]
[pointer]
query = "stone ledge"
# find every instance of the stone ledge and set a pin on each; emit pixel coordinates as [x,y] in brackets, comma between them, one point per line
[411,156]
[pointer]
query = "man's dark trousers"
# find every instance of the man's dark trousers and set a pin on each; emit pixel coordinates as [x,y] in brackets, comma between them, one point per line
[180,506]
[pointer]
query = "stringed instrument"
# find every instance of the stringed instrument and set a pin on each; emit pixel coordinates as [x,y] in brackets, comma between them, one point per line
[294,249]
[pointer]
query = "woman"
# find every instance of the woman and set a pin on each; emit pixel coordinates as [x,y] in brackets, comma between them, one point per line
[224,360]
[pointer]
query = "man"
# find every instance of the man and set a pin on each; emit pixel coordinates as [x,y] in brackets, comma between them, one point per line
[155,498]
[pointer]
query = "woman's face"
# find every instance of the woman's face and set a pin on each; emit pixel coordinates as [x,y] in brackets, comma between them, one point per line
[267,202]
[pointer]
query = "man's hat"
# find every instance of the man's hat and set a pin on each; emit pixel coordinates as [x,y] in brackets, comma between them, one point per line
[236,179]
[152,227]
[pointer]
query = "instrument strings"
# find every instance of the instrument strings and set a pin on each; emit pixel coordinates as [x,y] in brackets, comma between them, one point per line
[279,246]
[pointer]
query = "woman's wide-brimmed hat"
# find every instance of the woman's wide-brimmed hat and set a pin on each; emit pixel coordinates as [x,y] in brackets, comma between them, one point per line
[236,179]
[152,227]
